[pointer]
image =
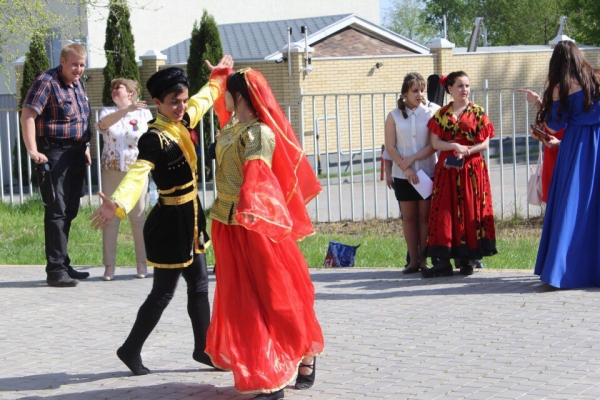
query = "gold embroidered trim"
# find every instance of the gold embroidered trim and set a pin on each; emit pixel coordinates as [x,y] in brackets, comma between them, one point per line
[178,200]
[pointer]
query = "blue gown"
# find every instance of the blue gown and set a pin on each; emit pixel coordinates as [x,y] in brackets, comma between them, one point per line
[569,252]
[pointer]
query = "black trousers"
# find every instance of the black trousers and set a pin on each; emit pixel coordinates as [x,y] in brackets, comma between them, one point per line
[163,288]
[68,173]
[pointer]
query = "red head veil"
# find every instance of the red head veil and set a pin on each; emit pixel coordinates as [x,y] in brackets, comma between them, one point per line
[297,179]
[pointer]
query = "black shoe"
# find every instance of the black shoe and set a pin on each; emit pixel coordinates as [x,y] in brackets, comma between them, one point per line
[270,396]
[442,269]
[410,270]
[306,381]
[203,358]
[133,362]
[76,274]
[466,270]
[62,280]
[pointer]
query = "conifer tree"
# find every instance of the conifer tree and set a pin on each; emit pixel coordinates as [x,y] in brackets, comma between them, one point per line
[36,61]
[205,44]
[119,48]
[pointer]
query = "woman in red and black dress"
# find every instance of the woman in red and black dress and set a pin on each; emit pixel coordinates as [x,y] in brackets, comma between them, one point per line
[461,220]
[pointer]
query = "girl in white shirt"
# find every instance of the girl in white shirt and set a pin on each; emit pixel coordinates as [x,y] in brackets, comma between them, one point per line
[121,127]
[407,143]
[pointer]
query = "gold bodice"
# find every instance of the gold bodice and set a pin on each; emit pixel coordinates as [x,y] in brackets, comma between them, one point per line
[237,144]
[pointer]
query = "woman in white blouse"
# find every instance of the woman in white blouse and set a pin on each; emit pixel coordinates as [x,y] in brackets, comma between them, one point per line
[121,127]
[407,143]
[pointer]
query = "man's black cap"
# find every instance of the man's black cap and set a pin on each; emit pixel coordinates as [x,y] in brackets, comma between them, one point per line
[166,79]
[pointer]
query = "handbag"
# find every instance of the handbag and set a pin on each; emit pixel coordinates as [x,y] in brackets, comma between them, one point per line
[340,255]
[534,186]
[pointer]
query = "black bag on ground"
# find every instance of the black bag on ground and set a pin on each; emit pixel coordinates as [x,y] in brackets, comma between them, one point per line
[42,178]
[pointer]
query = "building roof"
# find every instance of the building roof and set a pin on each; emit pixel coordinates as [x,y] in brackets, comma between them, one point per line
[259,41]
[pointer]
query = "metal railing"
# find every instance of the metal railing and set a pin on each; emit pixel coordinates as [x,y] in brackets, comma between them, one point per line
[342,135]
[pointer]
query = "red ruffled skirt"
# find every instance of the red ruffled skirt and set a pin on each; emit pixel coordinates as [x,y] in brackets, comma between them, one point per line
[461,219]
[263,320]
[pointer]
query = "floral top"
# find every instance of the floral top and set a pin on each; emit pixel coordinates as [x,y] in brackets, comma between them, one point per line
[473,125]
[120,149]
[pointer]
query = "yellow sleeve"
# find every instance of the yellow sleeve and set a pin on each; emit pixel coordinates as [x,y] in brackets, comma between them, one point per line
[202,101]
[129,190]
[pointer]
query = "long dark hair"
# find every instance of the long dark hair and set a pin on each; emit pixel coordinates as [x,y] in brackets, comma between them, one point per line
[412,78]
[236,83]
[567,65]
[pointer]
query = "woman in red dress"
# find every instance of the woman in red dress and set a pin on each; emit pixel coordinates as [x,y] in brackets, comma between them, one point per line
[263,327]
[461,220]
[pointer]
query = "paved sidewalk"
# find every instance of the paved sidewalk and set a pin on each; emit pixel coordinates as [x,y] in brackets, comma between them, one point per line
[501,335]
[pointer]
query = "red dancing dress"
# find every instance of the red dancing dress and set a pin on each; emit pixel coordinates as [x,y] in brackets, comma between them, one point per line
[461,220]
[263,320]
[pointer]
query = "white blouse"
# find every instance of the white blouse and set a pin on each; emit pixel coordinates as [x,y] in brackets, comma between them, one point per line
[412,135]
[120,150]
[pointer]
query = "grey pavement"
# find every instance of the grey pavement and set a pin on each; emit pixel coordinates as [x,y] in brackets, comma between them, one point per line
[495,334]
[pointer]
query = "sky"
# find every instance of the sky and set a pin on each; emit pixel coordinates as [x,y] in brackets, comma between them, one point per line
[384,5]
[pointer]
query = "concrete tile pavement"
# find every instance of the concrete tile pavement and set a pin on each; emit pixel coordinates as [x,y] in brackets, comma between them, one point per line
[493,335]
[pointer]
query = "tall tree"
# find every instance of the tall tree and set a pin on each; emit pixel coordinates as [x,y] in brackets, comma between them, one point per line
[205,44]
[507,25]
[406,18]
[36,61]
[460,15]
[584,21]
[119,48]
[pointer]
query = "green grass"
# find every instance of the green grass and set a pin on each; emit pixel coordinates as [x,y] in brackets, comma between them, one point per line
[381,241]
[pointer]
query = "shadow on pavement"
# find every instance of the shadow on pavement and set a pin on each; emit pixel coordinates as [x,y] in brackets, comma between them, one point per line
[147,391]
[390,284]
[57,380]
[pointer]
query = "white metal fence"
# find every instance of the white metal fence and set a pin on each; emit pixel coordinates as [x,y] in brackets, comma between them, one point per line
[342,135]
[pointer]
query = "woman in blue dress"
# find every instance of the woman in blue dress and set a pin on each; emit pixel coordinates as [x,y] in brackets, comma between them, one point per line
[569,254]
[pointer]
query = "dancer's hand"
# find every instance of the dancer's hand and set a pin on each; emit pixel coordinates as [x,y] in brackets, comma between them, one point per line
[226,62]
[103,215]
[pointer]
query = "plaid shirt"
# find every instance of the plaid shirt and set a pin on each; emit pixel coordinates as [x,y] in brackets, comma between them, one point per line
[63,110]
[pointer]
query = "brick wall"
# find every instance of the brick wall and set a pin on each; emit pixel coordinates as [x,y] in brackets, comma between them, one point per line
[349,77]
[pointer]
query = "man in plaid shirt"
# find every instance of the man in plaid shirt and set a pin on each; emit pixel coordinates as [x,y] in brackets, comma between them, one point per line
[55,120]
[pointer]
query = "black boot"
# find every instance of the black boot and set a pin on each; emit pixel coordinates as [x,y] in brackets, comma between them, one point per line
[147,318]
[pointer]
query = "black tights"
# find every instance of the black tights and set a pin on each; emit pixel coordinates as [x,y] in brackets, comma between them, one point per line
[163,289]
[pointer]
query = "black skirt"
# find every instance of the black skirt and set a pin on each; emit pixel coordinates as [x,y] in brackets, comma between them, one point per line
[405,191]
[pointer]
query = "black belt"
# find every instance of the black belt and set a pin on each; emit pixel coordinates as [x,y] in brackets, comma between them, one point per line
[64,143]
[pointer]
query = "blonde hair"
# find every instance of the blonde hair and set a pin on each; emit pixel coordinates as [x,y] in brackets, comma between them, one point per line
[132,87]
[74,48]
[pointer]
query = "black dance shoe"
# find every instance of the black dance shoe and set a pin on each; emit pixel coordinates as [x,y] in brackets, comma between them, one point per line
[306,381]
[133,362]
[270,396]
[444,268]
